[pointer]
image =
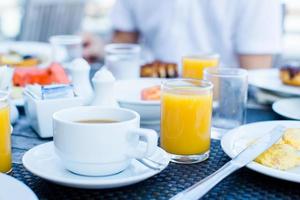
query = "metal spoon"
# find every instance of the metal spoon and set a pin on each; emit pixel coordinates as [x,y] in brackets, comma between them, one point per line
[151,163]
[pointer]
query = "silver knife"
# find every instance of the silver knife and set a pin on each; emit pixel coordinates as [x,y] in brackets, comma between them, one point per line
[199,189]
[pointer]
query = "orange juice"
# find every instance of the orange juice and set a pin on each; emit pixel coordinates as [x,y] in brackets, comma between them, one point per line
[5,143]
[193,66]
[185,122]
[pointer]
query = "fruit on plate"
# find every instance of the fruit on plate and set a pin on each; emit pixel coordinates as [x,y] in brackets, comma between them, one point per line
[159,69]
[151,93]
[290,75]
[15,59]
[284,154]
[33,75]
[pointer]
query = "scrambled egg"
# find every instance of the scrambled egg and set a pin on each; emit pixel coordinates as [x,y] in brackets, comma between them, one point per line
[279,156]
[292,137]
[283,155]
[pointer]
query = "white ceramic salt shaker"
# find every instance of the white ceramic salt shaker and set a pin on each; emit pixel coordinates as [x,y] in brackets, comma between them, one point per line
[80,72]
[103,82]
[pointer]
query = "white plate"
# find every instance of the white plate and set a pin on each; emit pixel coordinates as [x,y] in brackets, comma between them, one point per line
[237,139]
[43,162]
[11,188]
[128,94]
[40,49]
[268,79]
[288,108]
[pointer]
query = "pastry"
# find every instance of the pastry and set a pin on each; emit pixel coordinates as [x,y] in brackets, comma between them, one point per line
[290,75]
[159,69]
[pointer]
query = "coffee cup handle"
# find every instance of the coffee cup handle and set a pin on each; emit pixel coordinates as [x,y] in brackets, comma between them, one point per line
[150,137]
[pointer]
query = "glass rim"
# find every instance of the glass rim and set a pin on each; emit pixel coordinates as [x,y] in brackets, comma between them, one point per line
[225,72]
[200,84]
[4,95]
[122,48]
[65,39]
[203,55]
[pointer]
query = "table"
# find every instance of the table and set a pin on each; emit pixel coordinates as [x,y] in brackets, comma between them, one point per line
[243,184]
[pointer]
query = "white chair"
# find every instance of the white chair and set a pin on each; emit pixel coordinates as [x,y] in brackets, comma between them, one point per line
[44,18]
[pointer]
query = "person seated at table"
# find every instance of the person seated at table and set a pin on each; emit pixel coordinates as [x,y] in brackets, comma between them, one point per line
[244,33]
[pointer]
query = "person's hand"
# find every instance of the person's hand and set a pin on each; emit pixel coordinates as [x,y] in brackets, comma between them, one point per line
[93,47]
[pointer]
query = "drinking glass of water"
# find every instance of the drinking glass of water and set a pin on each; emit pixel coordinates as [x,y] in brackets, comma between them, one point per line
[229,97]
[123,60]
[65,48]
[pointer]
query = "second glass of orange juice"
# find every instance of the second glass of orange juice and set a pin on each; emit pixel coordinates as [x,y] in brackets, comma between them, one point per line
[186,109]
[5,143]
[193,66]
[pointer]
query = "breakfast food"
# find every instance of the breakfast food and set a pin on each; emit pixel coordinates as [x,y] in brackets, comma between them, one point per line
[290,75]
[151,93]
[159,69]
[284,154]
[16,59]
[292,137]
[279,156]
[33,75]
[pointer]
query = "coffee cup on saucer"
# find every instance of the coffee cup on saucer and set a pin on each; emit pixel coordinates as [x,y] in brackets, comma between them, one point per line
[97,141]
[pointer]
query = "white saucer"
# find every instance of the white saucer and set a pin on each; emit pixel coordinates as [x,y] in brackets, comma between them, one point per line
[43,162]
[11,188]
[288,108]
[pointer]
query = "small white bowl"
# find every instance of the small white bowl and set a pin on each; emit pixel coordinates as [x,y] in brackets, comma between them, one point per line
[39,112]
[128,94]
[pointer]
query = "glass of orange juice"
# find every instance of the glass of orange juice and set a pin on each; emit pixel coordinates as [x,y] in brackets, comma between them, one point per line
[194,65]
[186,109]
[5,139]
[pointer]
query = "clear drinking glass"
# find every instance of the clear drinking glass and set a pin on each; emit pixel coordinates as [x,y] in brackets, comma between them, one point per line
[229,97]
[186,107]
[123,60]
[66,48]
[5,136]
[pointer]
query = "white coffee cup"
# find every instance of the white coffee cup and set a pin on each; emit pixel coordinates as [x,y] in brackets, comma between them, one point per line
[98,149]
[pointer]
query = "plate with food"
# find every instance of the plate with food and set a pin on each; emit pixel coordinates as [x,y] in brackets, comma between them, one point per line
[284,81]
[141,95]
[52,74]
[27,54]
[281,161]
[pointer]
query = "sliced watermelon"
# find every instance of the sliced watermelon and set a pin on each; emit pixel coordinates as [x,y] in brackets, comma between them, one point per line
[33,75]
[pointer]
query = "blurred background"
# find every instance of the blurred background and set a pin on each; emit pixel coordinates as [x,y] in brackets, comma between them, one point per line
[36,20]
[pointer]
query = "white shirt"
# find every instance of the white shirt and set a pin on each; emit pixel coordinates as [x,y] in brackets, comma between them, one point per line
[171,29]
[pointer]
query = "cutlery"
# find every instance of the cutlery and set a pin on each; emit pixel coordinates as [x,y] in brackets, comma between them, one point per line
[199,189]
[151,163]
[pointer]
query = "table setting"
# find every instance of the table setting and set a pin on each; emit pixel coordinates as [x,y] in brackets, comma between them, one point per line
[156,131]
